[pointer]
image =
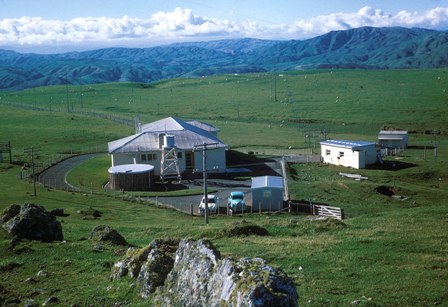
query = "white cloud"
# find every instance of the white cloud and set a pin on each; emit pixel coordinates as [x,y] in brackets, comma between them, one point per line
[183,24]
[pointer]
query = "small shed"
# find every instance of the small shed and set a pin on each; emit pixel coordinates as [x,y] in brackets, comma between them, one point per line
[267,193]
[393,139]
[131,177]
[356,154]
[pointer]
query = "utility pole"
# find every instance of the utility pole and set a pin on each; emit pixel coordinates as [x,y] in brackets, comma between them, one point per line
[6,146]
[434,133]
[275,87]
[203,149]
[32,151]
[66,93]
[82,94]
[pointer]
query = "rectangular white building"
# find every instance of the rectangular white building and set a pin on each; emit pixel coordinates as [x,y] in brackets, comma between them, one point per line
[393,139]
[355,154]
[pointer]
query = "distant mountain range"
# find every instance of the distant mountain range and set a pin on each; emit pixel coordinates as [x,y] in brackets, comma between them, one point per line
[367,48]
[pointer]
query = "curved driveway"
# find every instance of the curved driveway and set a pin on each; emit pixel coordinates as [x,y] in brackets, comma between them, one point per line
[56,175]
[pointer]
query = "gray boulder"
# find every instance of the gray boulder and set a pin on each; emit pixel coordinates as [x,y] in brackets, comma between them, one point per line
[158,265]
[200,277]
[106,233]
[195,275]
[32,222]
[150,265]
[9,213]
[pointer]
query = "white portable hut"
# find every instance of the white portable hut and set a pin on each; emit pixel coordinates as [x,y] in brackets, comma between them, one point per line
[355,154]
[393,139]
[267,193]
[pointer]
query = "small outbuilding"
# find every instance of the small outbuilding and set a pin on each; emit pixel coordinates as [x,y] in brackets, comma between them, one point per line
[393,139]
[355,154]
[267,193]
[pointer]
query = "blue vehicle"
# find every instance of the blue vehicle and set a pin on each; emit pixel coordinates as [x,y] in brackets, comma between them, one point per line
[236,203]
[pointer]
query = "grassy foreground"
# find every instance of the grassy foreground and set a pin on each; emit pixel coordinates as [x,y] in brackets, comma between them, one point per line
[388,252]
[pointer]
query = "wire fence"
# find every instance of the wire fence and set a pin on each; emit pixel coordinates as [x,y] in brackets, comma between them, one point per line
[95,114]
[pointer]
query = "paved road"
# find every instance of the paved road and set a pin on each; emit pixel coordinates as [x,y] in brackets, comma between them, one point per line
[183,203]
[56,176]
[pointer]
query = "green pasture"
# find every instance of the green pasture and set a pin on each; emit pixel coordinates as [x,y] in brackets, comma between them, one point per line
[388,252]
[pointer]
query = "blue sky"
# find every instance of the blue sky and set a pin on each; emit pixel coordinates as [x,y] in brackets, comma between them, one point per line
[64,25]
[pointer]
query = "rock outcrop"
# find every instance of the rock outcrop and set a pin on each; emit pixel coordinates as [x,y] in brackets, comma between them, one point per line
[106,234]
[192,273]
[32,222]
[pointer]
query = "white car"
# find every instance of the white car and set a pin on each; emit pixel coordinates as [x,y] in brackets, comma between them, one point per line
[213,204]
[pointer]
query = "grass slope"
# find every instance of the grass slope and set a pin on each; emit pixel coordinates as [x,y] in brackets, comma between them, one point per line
[387,253]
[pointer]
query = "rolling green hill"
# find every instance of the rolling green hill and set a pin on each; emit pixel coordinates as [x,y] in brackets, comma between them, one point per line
[365,47]
[388,252]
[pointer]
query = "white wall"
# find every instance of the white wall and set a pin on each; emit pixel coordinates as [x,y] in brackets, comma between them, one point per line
[215,158]
[358,158]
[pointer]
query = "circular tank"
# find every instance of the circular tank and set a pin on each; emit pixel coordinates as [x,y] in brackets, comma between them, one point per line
[168,141]
[131,177]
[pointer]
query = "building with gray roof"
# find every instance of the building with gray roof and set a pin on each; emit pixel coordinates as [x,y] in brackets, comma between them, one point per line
[148,145]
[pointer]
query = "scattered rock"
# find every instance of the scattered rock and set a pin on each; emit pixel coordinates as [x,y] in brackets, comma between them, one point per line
[51,300]
[90,213]
[106,233]
[58,212]
[42,273]
[245,229]
[195,275]
[9,213]
[32,222]
[30,303]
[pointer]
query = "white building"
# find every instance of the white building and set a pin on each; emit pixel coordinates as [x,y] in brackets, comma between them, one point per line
[147,146]
[355,154]
[393,139]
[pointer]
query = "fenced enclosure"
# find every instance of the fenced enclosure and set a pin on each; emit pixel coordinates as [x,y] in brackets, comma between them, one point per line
[316,209]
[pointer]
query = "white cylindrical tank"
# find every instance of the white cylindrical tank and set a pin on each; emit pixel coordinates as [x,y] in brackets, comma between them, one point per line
[131,177]
[168,141]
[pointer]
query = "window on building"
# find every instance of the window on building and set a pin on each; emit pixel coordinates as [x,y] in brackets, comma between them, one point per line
[327,152]
[341,154]
[179,155]
[148,157]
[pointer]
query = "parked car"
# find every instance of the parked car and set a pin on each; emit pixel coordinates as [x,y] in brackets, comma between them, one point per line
[236,203]
[213,204]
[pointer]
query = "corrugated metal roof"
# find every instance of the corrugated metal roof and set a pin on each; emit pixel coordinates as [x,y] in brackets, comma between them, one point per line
[399,132]
[203,126]
[267,181]
[346,144]
[186,136]
[392,135]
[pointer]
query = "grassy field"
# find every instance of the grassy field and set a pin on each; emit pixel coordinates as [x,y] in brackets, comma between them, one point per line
[388,252]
